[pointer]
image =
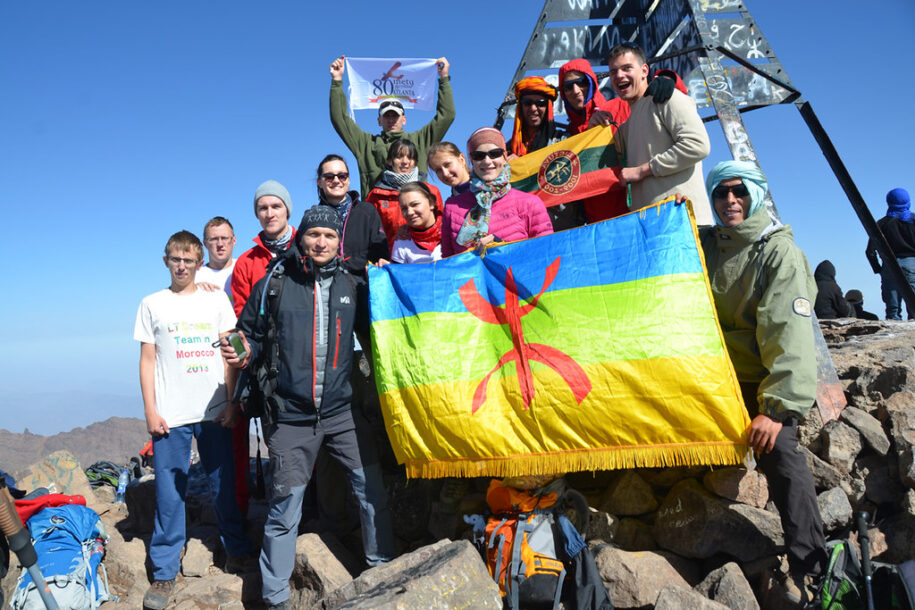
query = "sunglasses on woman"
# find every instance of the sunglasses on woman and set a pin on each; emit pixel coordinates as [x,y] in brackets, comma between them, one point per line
[329,176]
[721,191]
[479,155]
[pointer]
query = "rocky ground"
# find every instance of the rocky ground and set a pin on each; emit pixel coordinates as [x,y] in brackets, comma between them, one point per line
[671,538]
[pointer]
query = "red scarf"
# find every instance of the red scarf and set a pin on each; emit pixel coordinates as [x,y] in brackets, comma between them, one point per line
[428,239]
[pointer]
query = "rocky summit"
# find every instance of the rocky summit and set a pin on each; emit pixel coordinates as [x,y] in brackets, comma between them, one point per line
[661,538]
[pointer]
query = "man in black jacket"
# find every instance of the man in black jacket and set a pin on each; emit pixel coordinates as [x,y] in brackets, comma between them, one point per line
[299,342]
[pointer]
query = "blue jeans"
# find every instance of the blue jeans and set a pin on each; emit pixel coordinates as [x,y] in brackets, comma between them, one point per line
[293,450]
[171,458]
[890,290]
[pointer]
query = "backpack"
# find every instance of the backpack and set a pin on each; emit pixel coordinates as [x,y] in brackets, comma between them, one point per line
[894,585]
[103,473]
[843,586]
[70,547]
[521,546]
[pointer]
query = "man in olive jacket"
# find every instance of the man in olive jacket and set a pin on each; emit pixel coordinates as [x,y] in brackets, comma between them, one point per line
[763,291]
[371,150]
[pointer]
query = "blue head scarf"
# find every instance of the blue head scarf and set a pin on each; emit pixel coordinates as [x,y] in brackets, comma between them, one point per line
[898,203]
[752,177]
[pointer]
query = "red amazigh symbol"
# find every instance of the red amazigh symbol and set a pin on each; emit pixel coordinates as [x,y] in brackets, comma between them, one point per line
[523,352]
[390,73]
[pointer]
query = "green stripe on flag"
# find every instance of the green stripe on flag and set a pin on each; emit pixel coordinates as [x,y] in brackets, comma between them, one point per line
[666,316]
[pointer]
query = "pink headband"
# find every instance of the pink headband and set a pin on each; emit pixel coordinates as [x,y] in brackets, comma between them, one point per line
[485,135]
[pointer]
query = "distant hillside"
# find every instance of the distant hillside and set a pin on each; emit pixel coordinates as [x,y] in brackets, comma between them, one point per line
[115,439]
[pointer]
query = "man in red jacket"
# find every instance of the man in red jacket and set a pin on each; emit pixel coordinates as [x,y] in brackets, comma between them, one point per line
[586,107]
[273,208]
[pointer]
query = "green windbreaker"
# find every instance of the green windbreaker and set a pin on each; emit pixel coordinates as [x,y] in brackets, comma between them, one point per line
[371,150]
[764,290]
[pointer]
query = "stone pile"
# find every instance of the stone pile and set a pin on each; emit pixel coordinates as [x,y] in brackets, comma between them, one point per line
[671,538]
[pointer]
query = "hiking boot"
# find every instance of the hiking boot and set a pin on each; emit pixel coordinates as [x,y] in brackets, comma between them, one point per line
[799,589]
[246,563]
[157,595]
[280,606]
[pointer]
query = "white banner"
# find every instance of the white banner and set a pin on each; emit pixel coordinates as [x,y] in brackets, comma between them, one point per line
[412,82]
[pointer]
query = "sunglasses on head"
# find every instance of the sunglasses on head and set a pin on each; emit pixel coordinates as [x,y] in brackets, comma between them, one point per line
[342,176]
[527,102]
[721,191]
[479,155]
[581,82]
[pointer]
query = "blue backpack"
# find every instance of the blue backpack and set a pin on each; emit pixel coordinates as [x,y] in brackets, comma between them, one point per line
[70,546]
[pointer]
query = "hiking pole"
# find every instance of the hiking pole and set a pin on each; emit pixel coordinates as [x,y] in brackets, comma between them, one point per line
[21,544]
[865,541]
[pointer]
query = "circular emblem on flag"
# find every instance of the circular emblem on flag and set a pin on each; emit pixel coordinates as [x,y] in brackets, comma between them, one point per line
[559,172]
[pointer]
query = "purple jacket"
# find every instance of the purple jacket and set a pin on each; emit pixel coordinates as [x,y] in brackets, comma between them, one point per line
[516,216]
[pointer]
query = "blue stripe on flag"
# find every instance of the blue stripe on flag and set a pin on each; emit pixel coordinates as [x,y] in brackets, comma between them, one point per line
[651,243]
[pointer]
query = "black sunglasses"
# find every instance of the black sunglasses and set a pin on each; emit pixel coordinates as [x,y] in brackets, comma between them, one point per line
[342,176]
[581,82]
[479,155]
[721,191]
[527,102]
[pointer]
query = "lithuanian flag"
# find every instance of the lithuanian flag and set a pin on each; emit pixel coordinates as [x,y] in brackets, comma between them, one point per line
[589,349]
[571,170]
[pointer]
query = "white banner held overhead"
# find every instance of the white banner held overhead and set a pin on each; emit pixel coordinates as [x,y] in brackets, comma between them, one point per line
[412,82]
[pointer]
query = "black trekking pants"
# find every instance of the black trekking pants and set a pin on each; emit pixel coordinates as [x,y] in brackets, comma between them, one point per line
[792,490]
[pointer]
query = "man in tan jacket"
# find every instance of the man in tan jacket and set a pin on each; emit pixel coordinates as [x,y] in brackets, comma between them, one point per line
[664,144]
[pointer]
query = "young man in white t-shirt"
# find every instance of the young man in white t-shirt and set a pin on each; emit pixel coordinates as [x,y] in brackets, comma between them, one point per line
[185,389]
[219,240]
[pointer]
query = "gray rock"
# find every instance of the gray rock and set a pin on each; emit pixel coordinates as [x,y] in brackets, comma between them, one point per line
[635,580]
[835,509]
[602,526]
[888,380]
[663,479]
[628,495]
[125,564]
[869,427]
[694,523]
[900,401]
[216,589]
[841,444]
[903,432]
[854,488]
[727,585]
[738,485]
[677,598]
[881,478]
[317,567]
[442,575]
[899,534]
[825,475]
[197,558]
[634,535]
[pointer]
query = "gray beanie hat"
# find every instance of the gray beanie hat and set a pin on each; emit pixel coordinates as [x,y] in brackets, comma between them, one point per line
[321,216]
[272,187]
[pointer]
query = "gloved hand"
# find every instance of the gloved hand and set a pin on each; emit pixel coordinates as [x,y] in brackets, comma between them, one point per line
[660,89]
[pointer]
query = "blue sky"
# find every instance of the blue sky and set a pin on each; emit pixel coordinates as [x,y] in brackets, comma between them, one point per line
[123,122]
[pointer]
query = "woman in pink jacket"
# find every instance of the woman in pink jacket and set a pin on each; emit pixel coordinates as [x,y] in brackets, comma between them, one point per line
[491,211]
